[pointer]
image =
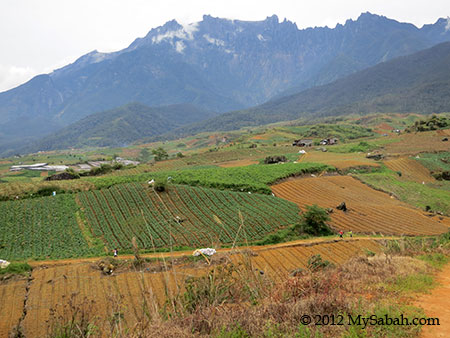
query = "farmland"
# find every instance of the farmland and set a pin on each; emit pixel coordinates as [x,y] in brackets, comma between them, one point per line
[370,211]
[182,216]
[410,170]
[40,228]
[127,291]
[76,225]
[415,143]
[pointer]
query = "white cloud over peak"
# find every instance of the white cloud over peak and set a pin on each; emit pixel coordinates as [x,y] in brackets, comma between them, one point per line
[214,41]
[12,76]
[184,33]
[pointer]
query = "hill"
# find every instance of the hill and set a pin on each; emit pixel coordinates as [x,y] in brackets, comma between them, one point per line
[217,64]
[121,126]
[414,83]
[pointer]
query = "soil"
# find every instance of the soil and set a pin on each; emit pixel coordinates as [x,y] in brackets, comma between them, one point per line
[437,305]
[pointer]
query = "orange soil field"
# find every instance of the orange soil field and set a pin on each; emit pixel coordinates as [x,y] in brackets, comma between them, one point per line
[338,160]
[443,132]
[279,262]
[411,170]
[12,295]
[237,163]
[369,210]
[260,137]
[414,143]
[52,286]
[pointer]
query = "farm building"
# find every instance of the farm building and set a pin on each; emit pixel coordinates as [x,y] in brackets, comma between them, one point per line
[302,143]
[329,141]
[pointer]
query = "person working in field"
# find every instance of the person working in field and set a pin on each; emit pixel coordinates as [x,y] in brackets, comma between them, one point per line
[115,252]
[350,233]
[341,234]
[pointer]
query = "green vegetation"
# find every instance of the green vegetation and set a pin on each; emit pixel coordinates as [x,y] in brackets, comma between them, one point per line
[435,161]
[435,195]
[436,260]
[16,268]
[44,227]
[343,132]
[432,123]
[160,154]
[182,216]
[253,178]
[362,146]
[419,282]
[314,221]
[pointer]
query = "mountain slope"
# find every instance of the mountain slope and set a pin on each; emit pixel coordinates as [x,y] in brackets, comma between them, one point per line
[120,126]
[217,64]
[416,83]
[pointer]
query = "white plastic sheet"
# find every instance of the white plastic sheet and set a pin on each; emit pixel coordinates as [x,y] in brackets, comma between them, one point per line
[205,251]
[3,263]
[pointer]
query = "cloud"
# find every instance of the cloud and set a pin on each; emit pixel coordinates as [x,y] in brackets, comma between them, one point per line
[214,41]
[12,76]
[185,33]
[447,27]
[179,46]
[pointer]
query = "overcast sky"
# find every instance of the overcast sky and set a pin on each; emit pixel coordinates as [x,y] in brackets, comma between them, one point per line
[37,36]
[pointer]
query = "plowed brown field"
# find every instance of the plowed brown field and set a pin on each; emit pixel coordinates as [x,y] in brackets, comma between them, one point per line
[415,143]
[411,170]
[52,286]
[12,296]
[369,210]
[237,163]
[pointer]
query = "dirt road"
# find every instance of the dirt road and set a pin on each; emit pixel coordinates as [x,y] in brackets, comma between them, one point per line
[437,304]
[305,242]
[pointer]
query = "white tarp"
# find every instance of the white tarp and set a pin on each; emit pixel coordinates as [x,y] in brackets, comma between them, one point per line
[206,251]
[3,263]
[302,152]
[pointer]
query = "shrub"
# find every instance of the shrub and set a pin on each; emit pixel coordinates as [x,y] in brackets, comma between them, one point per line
[48,190]
[275,159]
[160,154]
[16,268]
[315,263]
[160,185]
[314,221]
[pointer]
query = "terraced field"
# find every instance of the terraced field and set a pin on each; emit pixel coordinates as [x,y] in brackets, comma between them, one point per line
[183,216]
[12,295]
[126,292]
[410,169]
[369,210]
[338,160]
[415,143]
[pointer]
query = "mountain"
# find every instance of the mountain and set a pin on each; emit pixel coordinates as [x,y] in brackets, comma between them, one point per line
[418,83]
[120,126]
[217,64]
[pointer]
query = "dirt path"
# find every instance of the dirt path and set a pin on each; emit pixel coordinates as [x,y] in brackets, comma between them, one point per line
[300,242]
[437,304]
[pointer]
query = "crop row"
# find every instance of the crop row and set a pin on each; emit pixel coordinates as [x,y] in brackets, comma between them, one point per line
[40,228]
[181,216]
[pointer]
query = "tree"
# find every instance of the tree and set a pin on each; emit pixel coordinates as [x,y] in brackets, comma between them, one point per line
[314,221]
[160,154]
[144,155]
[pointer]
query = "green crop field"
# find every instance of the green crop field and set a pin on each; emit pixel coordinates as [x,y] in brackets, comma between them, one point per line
[78,225]
[254,178]
[181,216]
[40,228]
